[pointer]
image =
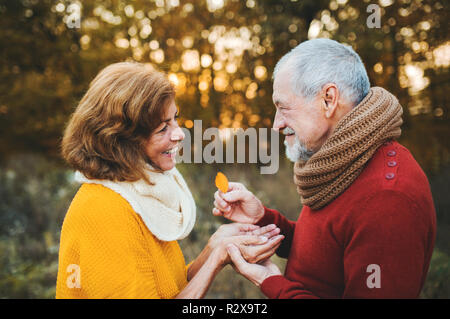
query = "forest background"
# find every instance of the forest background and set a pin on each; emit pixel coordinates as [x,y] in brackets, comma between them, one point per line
[220,55]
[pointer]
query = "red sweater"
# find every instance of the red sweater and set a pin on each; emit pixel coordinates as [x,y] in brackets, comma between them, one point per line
[373,241]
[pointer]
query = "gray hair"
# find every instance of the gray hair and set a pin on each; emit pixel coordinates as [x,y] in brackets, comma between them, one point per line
[317,62]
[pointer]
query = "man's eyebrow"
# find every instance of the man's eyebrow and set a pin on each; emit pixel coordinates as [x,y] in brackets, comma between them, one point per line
[278,102]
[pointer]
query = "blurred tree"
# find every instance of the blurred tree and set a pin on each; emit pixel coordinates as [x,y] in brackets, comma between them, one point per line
[405,55]
[220,55]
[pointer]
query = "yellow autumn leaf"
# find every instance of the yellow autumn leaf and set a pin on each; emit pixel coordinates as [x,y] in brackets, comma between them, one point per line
[222,182]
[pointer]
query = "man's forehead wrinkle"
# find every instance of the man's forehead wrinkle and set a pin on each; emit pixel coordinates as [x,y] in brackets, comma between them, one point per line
[282,97]
[282,89]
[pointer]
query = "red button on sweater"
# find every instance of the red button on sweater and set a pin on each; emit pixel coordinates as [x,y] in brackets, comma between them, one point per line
[373,241]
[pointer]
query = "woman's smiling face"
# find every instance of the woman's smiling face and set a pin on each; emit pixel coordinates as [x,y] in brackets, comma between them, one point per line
[163,143]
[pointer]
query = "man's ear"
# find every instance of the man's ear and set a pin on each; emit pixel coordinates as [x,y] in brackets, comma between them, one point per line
[330,98]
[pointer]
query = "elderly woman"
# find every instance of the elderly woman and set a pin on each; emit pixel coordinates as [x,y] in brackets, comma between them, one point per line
[119,237]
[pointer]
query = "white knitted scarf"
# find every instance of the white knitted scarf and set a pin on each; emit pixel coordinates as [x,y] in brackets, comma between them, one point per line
[167,208]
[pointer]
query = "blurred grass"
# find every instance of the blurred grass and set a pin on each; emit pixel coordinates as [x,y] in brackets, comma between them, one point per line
[438,280]
[35,193]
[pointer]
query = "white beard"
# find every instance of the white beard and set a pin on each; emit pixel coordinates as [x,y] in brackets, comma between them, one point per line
[298,151]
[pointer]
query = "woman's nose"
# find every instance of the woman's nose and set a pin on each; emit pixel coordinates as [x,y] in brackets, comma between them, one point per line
[177,134]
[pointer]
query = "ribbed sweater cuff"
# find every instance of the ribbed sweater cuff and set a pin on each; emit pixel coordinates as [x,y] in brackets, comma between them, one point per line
[268,217]
[273,285]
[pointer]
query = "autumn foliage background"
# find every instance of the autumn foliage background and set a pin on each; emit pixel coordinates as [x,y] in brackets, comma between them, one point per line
[220,55]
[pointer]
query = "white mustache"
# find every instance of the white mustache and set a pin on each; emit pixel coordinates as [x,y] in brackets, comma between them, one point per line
[288,131]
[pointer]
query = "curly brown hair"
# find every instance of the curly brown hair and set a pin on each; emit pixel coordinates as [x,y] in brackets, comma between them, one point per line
[105,136]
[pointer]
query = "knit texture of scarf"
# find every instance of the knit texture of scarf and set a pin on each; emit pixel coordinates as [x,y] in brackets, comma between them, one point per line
[340,160]
[167,208]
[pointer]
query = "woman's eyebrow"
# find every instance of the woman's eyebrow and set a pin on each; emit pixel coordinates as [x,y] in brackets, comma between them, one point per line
[176,113]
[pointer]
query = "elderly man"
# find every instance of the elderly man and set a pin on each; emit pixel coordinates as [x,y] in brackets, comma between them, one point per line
[367,227]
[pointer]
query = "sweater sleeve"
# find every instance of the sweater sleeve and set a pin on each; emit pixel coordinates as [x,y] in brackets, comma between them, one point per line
[279,287]
[287,228]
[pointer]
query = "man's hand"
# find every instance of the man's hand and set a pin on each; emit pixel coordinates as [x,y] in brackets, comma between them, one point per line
[259,253]
[256,273]
[238,205]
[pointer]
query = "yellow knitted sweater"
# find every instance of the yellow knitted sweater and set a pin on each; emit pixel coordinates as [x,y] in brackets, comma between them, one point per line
[106,251]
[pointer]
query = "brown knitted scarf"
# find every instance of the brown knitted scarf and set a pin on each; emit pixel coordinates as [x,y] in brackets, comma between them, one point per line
[340,160]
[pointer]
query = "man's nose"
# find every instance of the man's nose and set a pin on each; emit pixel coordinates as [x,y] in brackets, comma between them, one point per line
[177,134]
[278,122]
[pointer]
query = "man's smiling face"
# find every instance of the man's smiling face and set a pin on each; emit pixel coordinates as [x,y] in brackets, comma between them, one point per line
[301,120]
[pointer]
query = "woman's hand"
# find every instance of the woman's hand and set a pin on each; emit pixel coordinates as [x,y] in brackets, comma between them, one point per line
[253,251]
[255,243]
[238,229]
[255,247]
[228,230]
